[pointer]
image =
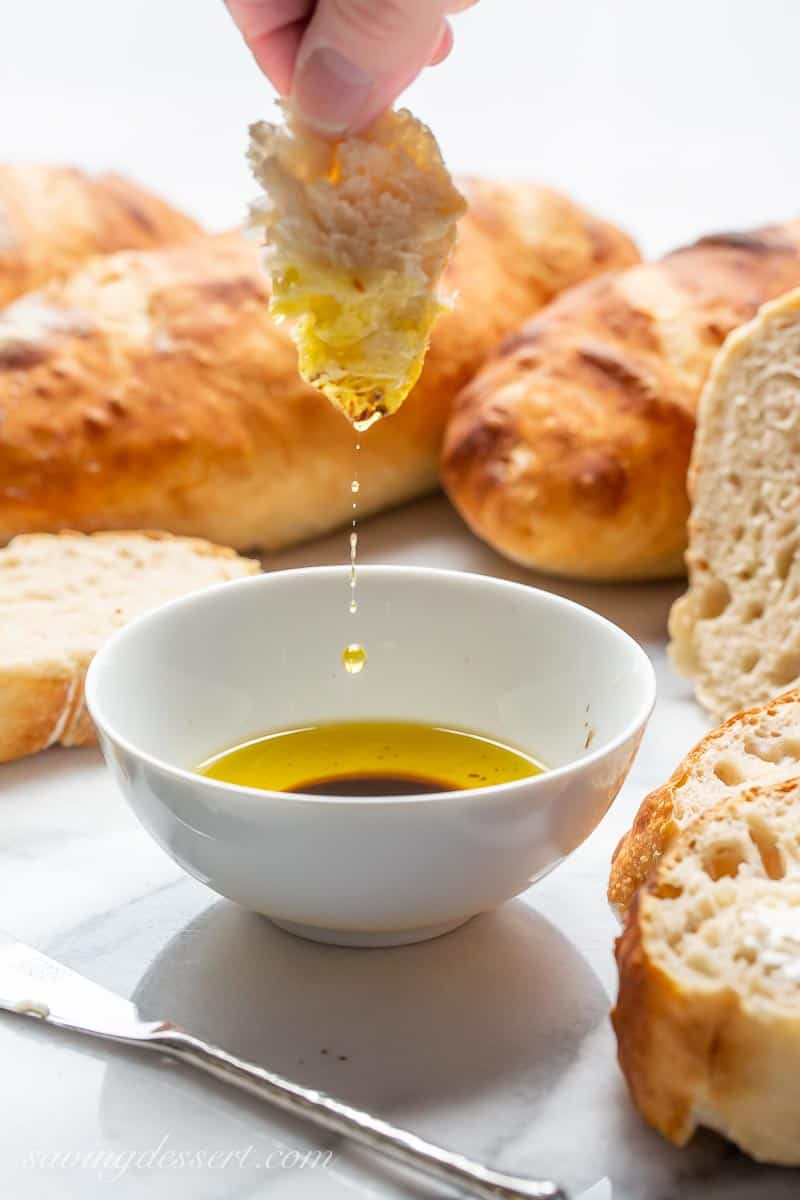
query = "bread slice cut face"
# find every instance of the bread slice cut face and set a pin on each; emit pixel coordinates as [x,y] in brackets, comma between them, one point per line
[61,597]
[736,632]
[758,746]
[708,1014]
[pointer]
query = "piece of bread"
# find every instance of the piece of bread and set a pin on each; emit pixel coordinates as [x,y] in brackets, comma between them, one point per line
[153,390]
[708,1013]
[759,746]
[736,632]
[61,597]
[53,218]
[357,234]
[568,452]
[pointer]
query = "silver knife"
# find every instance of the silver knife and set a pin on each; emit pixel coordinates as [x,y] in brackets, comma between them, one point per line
[33,985]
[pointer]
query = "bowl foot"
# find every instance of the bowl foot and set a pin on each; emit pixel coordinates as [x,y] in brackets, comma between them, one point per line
[367,939]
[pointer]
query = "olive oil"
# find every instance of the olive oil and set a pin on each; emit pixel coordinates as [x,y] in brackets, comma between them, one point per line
[370,758]
[354,658]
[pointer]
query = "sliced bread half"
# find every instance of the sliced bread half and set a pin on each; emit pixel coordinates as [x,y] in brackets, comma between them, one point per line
[761,745]
[61,596]
[708,1014]
[736,632]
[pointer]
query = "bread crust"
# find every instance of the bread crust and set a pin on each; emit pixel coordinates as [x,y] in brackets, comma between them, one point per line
[569,450]
[664,1037]
[157,392]
[701,1050]
[54,218]
[655,825]
[42,701]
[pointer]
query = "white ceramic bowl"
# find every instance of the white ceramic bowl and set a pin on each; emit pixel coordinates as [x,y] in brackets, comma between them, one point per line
[212,669]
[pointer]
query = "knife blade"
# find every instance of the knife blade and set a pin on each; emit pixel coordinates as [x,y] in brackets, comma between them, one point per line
[33,985]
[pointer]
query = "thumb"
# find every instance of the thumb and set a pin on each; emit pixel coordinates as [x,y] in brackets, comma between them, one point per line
[356,57]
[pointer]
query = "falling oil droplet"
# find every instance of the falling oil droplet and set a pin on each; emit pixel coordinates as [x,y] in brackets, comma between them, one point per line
[355,486]
[354,658]
[353,578]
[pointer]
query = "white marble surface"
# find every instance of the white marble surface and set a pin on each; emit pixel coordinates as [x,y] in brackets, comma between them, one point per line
[494,1040]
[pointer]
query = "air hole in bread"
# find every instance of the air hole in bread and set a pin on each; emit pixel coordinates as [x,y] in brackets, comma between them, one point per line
[722,860]
[668,891]
[749,660]
[766,844]
[753,611]
[784,559]
[735,481]
[704,964]
[713,600]
[786,669]
[746,573]
[777,752]
[729,772]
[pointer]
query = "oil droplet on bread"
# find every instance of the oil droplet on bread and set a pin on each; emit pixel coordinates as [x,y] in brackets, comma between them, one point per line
[367,422]
[354,658]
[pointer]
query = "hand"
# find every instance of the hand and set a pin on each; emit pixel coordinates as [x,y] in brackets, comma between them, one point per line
[344,61]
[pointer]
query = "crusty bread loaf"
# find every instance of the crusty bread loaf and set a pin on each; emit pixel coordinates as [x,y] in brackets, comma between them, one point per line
[568,452]
[153,390]
[761,745]
[60,598]
[357,233]
[708,1013]
[53,218]
[736,632]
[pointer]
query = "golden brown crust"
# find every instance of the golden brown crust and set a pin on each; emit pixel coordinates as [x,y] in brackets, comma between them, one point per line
[32,709]
[53,218]
[665,1039]
[161,394]
[569,450]
[655,827]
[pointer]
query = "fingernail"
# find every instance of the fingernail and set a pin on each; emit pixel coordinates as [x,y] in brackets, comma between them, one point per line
[329,91]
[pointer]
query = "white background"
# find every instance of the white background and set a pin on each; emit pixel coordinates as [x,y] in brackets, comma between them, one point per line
[674,118]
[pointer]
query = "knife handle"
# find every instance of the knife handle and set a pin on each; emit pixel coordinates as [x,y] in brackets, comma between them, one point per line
[399,1144]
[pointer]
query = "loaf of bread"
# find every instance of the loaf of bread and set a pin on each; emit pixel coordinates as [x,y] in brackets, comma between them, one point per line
[568,452]
[736,632]
[759,746]
[152,389]
[60,598]
[53,218]
[708,1013]
[357,234]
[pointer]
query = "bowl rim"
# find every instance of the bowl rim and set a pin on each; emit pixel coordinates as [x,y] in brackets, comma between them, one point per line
[242,794]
